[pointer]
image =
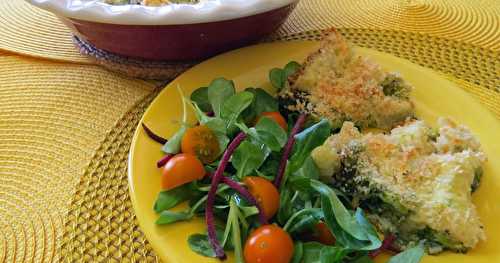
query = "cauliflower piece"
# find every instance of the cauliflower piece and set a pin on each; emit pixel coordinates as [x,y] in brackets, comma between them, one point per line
[454,137]
[327,160]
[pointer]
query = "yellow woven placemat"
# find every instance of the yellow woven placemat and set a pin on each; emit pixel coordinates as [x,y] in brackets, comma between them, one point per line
[27,30]
[470,21]
[53,117]
[101,224]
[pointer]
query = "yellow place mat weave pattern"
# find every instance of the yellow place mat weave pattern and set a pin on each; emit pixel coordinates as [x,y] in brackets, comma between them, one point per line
[101,223]
[475,22]
[53,117]
[28,30]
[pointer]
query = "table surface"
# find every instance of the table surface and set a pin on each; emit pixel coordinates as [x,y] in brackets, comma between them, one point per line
[66,123]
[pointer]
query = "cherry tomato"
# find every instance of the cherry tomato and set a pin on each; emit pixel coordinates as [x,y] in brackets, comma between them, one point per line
[266,194]
[276,116]
[323,234]
[182,168]
[268,244]
[201,142]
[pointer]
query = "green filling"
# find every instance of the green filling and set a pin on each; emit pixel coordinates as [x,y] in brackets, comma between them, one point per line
[478,174]
[435,242]
[390,216]
[395,86]
[388,219]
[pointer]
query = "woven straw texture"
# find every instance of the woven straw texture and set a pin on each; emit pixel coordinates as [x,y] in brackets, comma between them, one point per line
[27,30]
[50,128]
[66,129]
[37,33]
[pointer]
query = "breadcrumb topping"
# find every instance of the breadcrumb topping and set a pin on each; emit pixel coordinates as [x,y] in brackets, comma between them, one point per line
[337,84]
[428,175]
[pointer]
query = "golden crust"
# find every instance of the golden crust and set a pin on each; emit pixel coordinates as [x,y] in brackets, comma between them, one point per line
[409,165]
[340,85]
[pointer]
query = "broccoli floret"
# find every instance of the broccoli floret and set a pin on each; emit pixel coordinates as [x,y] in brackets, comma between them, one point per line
[434,242]
[394,85]
[478,174]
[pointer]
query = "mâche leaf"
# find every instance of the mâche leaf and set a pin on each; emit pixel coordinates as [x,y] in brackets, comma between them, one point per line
[363,259]
[234,106]
[271,134]
[263,102]
[303,220]
[217,125]
[412,255]
[171,198]
[247,158]
[277,78]
[218,92]
[173,145]
[370,231]
[308,169]
[291,68]
[200,97]
[332,254]
[350,231]
[311,252]
[298,252]
[314,252]
[168,217]
[199,244]
[267,132]
[285,210]
[306,141]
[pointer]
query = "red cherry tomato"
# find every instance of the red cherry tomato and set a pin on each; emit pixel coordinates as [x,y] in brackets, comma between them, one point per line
[268,244]
[181,169]
[201,142]
[265,193]
[323,234]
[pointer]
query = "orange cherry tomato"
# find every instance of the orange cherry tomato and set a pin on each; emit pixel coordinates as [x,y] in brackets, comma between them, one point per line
[323,234]
[182,168]
[276,116]
[268,243]
[265,193]
[201,142]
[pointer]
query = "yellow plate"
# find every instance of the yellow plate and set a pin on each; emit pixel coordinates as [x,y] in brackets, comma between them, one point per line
[433,96]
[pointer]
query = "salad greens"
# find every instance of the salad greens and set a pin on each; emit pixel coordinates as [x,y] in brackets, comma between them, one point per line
[278,77]
[219,91]
[306,141]
[256,146]
[263,102]
[169,199]
[247,158]
[412,255]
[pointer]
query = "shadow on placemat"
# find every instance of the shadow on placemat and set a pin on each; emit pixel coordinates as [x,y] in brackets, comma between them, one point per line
[101,224]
